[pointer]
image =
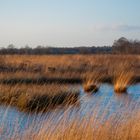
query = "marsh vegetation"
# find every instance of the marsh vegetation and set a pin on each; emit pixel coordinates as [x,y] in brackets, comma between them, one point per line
[44,84]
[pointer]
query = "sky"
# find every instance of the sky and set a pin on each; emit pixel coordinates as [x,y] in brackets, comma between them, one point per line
[68,23]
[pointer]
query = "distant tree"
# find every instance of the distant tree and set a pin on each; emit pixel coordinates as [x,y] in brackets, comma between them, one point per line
[126,46]
[121,45]
[11,46]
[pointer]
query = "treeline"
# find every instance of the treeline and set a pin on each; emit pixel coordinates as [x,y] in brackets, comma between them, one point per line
[121,45]
[126,46]
[40,50]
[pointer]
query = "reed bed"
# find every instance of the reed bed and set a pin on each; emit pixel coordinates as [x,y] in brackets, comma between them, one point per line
[83,130]
[124,124]
[21,74]
[123,77]
[75,67]
[24,83]
[38,97]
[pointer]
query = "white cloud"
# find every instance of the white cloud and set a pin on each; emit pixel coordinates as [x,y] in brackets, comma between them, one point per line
[128,28]
[119,27]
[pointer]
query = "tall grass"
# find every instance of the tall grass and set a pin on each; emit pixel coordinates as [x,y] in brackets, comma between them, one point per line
[92,81]
[123,77]
[38,97]
[85,131]
[66,66]
[119,126]
[122,70]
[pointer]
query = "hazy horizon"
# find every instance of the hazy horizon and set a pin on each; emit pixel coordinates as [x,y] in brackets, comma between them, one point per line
[68,23]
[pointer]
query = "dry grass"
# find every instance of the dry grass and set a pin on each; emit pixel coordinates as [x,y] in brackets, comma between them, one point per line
[65,66]
[120,126]
[38,97]
[36,71]
[92,81]
[90,69]
[85,131]
[123,80]
[90,86]
[25,77]
[123,77]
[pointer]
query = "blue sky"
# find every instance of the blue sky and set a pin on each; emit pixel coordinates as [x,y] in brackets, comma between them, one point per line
[68,23]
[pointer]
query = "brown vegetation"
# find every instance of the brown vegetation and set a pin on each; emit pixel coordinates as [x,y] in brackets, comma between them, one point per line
[120,126]
[25,83]
[123,77]
[67,68]
[84,130]
[21,74]
[90,87]
[38,97]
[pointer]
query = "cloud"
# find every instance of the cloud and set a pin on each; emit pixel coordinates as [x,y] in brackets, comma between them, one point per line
[128,28]
[122,27]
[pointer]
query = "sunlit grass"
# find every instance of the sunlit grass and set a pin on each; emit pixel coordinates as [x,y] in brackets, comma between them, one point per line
[37,97]
[123,77]
[118,126]
[66,66]
[92,70]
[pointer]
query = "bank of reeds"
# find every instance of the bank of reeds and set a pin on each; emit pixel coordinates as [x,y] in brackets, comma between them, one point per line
[119,126]
[38,97]
[36,71]
[27,95]
[123,77]
[92,82]
[112,129]
[67,68]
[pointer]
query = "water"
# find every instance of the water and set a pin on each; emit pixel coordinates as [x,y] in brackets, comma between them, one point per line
[103,103]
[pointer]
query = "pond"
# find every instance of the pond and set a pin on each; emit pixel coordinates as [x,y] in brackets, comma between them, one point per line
[102,104]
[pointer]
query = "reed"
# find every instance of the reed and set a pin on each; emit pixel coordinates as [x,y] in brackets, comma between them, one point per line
[123,77]
[91,83]
[116,127]
[38,97]
[27,68]
[41,96]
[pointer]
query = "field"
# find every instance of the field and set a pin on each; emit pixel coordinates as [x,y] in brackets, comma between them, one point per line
[61,68]
[39,84]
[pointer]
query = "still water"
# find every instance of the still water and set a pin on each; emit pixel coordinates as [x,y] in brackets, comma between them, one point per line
[103,103]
